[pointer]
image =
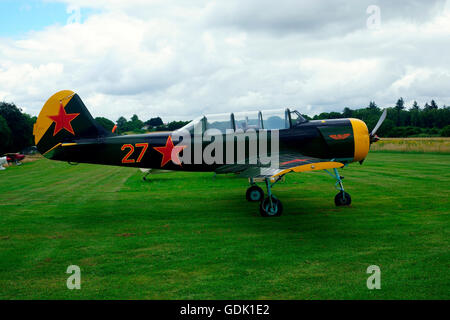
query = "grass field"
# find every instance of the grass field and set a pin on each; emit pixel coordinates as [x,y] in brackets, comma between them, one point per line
[424,145]
[192,236]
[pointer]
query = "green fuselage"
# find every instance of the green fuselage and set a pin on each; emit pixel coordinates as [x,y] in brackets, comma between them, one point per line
[326,139]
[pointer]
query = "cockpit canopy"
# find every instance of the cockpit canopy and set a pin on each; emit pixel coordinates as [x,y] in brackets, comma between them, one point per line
[267,119]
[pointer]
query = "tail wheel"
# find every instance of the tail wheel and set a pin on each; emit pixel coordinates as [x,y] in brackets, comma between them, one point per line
[271,210]
[342,199]
[254,194]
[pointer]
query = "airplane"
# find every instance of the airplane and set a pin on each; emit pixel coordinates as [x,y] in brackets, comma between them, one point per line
[66,131]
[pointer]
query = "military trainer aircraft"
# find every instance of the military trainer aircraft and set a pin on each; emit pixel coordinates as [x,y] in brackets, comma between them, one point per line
[263,146]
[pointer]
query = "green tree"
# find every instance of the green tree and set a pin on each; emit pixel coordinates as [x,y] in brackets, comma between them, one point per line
[400,105]
[433,105]
[154,122]
[386,129]
[174,125]
[5,136]
[442,118]
[334,115]
[122,124]
[135,124]
[373,106]
[445,132]
[347,113]
[20,124]
[415,114]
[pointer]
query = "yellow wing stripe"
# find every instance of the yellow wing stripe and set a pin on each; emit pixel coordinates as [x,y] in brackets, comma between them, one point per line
[54,147]
[51,108]
[312,167]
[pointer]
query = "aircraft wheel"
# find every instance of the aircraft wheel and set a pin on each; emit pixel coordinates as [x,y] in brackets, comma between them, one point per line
[267,211]
[340,201]
[254,194]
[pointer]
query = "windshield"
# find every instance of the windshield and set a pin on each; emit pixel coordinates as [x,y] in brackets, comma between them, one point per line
[190,126]
[221,122]
[247,120]
[268,119]
[275,119]
[297,118]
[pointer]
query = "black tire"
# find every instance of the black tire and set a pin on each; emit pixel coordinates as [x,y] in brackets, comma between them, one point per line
[254,194]
[341,201]
[266,211]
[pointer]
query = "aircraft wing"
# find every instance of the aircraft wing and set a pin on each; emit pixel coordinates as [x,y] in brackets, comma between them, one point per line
[288,162]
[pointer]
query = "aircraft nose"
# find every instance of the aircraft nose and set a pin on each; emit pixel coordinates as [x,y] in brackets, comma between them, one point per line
[361,138]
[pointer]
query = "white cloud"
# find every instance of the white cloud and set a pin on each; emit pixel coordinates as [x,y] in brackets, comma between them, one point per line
[181,59]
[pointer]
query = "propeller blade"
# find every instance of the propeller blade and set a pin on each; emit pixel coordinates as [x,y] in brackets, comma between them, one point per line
[380,122]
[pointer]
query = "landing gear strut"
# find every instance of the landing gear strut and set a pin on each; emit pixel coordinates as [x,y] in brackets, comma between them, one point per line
[271,206]
[146,175]
[342,198]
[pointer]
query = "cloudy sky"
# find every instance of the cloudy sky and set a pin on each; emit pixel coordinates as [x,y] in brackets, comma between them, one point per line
[180,59]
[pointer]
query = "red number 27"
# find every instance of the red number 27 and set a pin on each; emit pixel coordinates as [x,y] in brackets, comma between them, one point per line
[126,159]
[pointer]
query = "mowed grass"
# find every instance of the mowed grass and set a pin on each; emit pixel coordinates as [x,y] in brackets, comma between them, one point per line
[193,236]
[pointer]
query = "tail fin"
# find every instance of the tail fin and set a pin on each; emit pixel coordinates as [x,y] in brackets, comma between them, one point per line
[64,119]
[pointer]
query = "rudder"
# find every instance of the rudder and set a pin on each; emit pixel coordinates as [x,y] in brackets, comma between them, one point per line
[63,119]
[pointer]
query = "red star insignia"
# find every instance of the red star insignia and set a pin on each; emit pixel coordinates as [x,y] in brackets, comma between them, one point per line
[169,152]
[63,119]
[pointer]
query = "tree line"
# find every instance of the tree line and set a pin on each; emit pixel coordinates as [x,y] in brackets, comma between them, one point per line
[427,121]
[135,125]
[16,127]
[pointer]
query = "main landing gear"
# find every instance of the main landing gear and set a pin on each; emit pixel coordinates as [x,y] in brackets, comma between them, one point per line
[270,206]
[342,198]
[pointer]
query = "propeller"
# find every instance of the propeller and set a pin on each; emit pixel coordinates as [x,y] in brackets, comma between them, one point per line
[373,134]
